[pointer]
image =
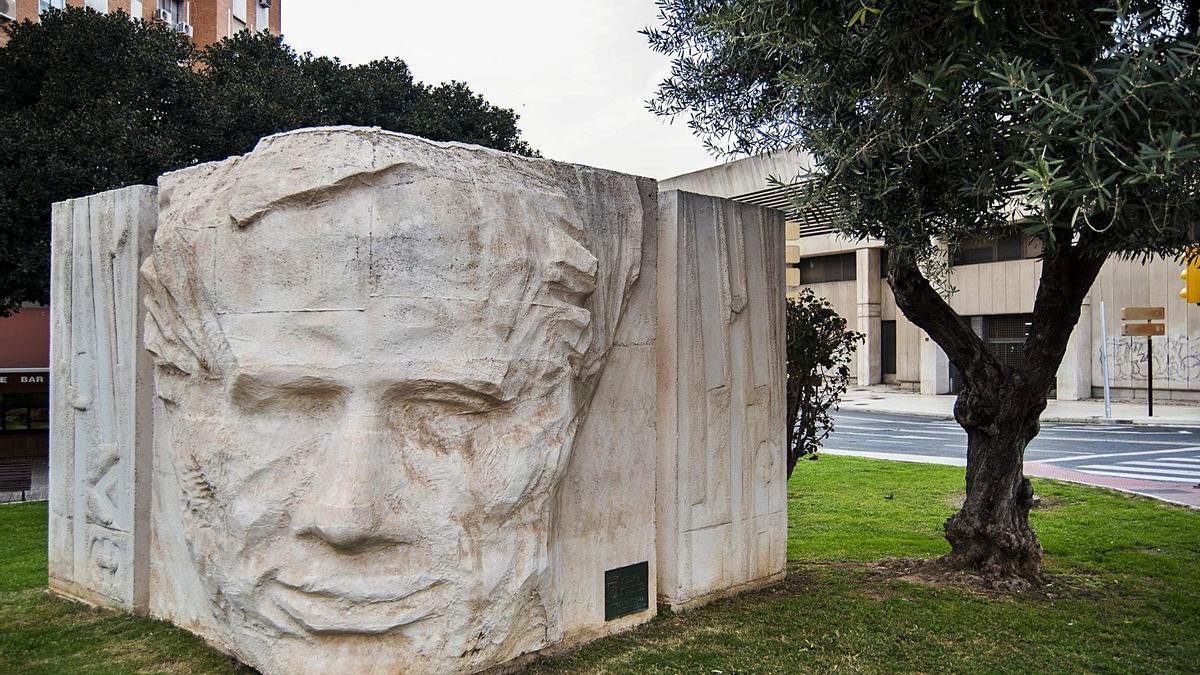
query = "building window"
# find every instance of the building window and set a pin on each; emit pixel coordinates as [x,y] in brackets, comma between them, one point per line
[135,9]
[1004,336]
[887,347]
[98,5]
[974,251]
[24,412]
[884,258]
[178,10]
[44,5]
[238,9]
[827,268]
[262,19]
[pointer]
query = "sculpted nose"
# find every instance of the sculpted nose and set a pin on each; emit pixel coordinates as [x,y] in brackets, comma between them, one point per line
[347,528]
[346,506]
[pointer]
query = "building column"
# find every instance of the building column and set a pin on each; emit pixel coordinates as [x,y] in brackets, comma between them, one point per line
[870,362]
[1075,372]
[935,367]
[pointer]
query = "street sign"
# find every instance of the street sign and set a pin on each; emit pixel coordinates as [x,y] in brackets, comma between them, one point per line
[1143,314]
[1143,329]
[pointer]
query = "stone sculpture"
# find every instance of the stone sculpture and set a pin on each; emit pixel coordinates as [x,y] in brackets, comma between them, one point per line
[373,354]
[722,493]
[412,411]
[100,396]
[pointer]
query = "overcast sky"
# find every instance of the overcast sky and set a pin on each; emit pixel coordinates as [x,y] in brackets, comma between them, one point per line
[576,71]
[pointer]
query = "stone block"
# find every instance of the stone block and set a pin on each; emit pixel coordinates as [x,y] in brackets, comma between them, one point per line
[722,494]
[405,402]
[100,397]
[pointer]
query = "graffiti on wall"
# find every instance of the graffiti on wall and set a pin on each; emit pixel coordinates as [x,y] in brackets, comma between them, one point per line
[1176,358]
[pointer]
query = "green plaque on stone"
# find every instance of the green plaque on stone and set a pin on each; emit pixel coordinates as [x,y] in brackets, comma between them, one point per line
[626,590]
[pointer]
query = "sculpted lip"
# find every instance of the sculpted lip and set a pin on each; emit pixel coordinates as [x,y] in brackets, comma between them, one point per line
[365,606]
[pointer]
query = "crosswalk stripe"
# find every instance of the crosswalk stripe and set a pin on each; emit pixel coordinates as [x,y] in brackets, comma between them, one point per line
[1166,463]
[1191,460]
[1072,458]
[1158,479]
[1138,469]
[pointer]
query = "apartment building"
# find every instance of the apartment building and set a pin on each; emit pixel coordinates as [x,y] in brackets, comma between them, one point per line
[205,21]
[996,283]
[25,336]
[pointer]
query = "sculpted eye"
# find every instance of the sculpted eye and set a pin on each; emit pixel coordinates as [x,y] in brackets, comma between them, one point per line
[451,397]
[303,395]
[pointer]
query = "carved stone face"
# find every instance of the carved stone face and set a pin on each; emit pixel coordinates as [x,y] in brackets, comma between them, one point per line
[384,398]
[374,499]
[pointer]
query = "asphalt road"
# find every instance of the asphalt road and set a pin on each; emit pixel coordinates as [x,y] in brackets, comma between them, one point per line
[1160,454]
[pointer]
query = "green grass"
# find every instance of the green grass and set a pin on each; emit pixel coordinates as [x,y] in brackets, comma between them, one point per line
[1126,595]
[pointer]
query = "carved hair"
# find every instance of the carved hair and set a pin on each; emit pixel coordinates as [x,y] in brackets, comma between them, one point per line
[576,258]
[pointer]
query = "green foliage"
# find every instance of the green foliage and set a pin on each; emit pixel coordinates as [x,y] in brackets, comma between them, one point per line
[818,369]
[88,102]
[936,119]
[92,102]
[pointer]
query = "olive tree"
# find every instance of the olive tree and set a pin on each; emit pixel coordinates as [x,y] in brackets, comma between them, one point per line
[934,121]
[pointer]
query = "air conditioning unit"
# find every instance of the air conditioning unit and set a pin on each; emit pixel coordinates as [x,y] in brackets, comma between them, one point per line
[264,3]
[164,15]
[185,28]
[8,9]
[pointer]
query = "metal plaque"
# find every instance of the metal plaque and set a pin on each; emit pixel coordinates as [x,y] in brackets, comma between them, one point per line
[626,590]
[1143,314]
[1143,329]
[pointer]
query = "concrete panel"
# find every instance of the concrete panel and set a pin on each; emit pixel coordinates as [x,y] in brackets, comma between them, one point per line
[721,432]
[100,399]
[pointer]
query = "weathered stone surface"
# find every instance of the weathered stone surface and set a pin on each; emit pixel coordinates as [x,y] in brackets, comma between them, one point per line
[722,494]
[416,405]
[405,401]
[100,399]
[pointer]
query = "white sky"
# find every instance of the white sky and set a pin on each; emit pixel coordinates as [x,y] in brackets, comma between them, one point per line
[576,71]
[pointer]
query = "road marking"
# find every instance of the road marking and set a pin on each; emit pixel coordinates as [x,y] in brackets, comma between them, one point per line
[1107,431]
[1119,474]
[1119,454]
[1166,462]
[1138,469]
[1104,440]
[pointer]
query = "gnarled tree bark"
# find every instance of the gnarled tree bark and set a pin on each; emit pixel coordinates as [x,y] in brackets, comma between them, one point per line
[999,408]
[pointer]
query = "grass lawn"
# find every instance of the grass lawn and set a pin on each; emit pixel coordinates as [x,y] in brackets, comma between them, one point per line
[1126,595]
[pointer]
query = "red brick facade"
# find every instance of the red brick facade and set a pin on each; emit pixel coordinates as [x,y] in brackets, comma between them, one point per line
[211,20]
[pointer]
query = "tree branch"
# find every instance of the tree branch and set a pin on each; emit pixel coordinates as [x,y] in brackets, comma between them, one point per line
[1067,277]
[927,309]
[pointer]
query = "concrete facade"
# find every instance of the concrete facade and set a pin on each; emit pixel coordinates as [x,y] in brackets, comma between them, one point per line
[995,296]
[317,309]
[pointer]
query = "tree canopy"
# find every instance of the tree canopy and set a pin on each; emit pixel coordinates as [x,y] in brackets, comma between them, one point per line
[933,121]
[92,102]
[954,118]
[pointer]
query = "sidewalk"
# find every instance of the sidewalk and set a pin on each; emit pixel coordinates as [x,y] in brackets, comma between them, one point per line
[888,400]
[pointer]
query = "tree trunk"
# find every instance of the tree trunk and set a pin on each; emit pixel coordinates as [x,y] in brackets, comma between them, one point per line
[991,533]
[999,408]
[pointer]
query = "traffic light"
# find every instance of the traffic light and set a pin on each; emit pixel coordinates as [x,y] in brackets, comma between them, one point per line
[1191,275]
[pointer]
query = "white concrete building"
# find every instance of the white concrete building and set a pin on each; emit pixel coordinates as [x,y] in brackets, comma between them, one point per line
[996,285]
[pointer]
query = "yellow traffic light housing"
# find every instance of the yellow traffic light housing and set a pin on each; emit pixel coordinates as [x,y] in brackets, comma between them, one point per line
[1191,275]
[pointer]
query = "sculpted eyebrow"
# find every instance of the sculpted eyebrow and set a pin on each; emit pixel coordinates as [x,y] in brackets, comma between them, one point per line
[253,388]
[479,393]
